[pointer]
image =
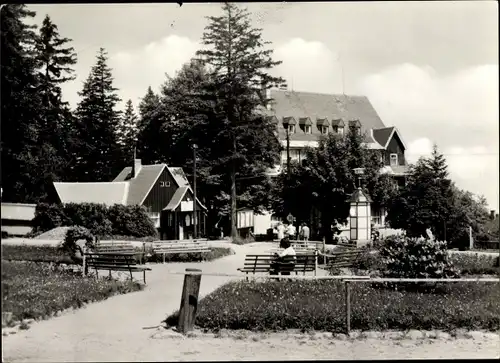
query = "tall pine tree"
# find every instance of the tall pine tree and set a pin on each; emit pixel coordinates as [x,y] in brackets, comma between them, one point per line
[240,65]
[21,106]
[54,62]
[150,136]
[127,131]
[98,153]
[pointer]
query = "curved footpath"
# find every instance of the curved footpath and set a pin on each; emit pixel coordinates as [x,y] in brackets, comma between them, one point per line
[114,330]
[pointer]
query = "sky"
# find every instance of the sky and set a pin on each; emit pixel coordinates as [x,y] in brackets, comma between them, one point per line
[428,68]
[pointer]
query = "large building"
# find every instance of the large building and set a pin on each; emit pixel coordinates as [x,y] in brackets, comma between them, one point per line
[310,116]
[164,191]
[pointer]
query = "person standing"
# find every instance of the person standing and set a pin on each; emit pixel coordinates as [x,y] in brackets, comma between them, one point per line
[291,231]
[280,228]
[305,232]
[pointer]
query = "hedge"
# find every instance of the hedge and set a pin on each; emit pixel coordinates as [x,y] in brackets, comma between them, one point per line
[320,305]
[101,220]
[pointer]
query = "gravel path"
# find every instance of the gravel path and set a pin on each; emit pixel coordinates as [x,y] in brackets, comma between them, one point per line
[124,328]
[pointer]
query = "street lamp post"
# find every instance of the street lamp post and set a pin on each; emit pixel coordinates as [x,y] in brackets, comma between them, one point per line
[286,125]
[195,220]
[360,213]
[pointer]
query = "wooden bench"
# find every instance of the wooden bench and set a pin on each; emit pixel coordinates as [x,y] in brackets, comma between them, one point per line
[113,261]
[120,247]
[318,245]
[171,247]
[343,259]
[305,262]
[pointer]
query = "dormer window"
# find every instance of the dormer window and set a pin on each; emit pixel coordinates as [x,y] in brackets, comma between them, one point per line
[355,126]
[338,130]
[394,159]
[323,125]
[308,129]
[291,129]
[305,124]
[289,124]
[338,126]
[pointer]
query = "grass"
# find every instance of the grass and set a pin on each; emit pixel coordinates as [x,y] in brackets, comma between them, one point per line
[320,305]
[35,253]
[32,290]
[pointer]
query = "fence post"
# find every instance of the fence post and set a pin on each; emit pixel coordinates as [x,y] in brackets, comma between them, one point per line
[189,301]
[324,251]
[315,262]
[348,307]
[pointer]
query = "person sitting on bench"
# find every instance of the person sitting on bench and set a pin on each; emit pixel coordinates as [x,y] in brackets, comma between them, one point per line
[284,261]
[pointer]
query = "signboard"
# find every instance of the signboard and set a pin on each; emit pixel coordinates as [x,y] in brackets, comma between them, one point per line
[290,218]
[187,206]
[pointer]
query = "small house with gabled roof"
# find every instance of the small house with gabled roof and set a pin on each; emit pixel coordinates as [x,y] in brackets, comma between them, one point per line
[164,191]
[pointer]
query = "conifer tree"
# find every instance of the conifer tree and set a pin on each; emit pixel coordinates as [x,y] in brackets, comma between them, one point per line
[150,136]
[128,130]
[98,153]
[21,105]
[239,65]
[55,59]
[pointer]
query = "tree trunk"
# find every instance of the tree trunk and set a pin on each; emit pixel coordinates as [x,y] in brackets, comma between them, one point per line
[326,225]
[234,229]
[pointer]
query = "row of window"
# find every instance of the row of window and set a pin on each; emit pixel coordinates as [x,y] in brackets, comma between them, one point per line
[323,129]
[297,154]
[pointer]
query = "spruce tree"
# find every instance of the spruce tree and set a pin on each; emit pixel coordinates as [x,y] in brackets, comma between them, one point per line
[149,138]
[127,131]
[54,62]
[239,65]
[98,153]
[21,106]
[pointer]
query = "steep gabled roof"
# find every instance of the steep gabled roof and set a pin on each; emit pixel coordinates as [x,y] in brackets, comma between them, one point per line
[141,185]
[178,196]
[384,135]
[179,176]
[108,193]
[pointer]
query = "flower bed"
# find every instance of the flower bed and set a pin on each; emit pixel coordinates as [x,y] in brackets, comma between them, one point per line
[32,290]
[320,305]
[215,253]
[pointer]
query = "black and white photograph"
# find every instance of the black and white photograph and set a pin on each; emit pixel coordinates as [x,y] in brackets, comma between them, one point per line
[250,181]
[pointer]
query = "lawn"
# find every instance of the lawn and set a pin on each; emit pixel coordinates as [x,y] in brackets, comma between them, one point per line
[320,305]
[38,290]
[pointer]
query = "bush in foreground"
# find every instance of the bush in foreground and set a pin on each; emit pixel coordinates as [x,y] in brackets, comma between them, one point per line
[416,258]
[320,305]
[33,290]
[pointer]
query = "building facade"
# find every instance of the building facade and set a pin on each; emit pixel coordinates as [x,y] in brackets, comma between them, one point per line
[304,118]
[164,191]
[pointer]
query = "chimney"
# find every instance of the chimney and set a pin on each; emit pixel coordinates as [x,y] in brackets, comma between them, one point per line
[492,215]
[136,166]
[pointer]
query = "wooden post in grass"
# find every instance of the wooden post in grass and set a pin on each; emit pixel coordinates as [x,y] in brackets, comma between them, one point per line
[348,307]
[189,301]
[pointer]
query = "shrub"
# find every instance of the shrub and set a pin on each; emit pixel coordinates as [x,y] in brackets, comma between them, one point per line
[99,219]
[47,217]
[319,305]
[416,258]
[75,234]
[36,291]
[476,264]
[131,221]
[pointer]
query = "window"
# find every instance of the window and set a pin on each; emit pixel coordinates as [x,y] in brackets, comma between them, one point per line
[170,219]
[338,130]
[394,159]
[291,129]
[308,129]
[324,129]
[165,184]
